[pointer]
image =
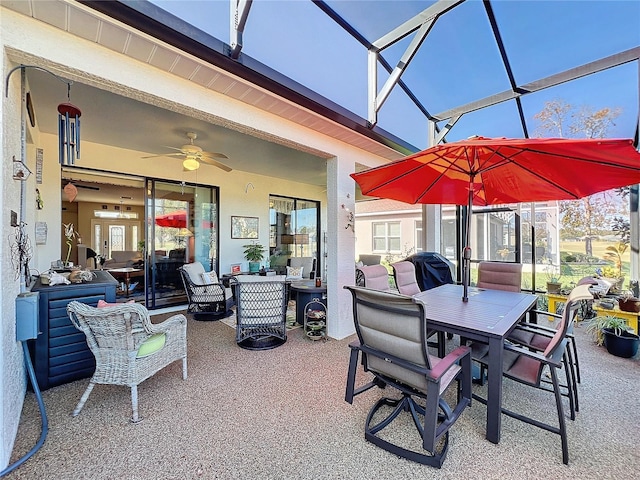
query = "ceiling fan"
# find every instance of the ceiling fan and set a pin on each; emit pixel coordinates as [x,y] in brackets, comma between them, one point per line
[194,155]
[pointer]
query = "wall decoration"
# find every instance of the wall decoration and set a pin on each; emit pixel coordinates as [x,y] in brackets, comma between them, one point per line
[244,227]
[41,233]
[39,202]
[70,191]
[39,159]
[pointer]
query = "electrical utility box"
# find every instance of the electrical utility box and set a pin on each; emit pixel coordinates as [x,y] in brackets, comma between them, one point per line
[27,316]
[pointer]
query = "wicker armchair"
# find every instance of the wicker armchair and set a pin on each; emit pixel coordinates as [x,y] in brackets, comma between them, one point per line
[208,297]
[261,311]
[128,348]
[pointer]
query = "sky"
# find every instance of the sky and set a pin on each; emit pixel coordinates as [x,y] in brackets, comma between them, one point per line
[457,63]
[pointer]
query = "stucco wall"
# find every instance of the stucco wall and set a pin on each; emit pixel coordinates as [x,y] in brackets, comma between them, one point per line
[12,376]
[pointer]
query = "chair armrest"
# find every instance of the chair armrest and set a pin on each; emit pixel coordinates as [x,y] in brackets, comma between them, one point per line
[548,314]
[447,362]
[555,361]
[541,330]
[166,325]
[538,329]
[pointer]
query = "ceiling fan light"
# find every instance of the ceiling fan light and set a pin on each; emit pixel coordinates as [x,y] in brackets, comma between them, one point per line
[191,164]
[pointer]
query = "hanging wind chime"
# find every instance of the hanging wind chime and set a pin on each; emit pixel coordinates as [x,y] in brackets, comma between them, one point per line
[68,131]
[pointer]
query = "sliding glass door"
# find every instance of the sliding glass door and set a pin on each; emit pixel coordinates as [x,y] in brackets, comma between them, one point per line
[182,228]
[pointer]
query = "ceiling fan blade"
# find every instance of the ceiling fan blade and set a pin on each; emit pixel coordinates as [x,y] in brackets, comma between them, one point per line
[173,148]
[164,155]
[211,161]
[213,154]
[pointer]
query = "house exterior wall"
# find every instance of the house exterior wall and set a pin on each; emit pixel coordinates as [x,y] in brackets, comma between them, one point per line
[30,42]
[406,218]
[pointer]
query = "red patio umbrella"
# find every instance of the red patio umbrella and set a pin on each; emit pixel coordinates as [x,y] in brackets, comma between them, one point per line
[489,171]
[177,219]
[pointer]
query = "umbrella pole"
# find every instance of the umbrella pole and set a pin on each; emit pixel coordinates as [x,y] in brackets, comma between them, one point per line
[466,253]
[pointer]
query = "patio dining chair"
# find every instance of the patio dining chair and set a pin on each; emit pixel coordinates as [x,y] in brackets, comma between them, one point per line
[501,276]
[128,348]
[373,276]
[261,311]
[541,336]
[404,274]
[392,338]
[525,366]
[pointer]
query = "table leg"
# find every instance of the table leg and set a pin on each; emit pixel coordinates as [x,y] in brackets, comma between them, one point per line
[494,394]
[126,285]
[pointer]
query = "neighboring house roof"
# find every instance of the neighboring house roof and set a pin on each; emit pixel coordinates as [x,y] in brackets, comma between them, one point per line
[384,205]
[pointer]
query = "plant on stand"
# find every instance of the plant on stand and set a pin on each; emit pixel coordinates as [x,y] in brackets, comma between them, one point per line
[614,253]
[70,233]
[254,253]
[553,278]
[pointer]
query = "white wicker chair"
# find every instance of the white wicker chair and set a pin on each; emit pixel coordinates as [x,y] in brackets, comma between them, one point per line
[128,348]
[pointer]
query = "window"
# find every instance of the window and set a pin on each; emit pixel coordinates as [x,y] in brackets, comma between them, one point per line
[386,237]
[294,226]
[115,214]
[418,236]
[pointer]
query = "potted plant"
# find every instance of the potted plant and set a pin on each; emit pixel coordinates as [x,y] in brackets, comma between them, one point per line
[614,334]
[614,253]
[553,279]
[70,233]
[628,303]
[254,253]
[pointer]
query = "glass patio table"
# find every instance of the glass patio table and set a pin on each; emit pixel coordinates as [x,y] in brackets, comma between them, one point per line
[488,316]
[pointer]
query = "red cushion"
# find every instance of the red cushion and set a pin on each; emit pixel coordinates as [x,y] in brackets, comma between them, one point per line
[102,303]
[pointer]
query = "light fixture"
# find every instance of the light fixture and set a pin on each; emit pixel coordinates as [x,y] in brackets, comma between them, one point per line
[301,238]
[184,232]
[286,239]
[190,163]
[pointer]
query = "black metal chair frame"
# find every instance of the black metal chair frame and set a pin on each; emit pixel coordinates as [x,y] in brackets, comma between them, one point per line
[207,301]
[261,313]
[438,416]
[556,356]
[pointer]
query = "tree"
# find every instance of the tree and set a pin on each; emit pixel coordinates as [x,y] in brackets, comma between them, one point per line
[589,216]
[622,228]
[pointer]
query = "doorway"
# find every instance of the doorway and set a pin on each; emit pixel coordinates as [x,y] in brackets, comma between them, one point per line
[163,224]
[182,228]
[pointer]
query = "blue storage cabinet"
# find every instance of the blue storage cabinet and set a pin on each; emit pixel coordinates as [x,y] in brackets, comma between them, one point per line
[60,353]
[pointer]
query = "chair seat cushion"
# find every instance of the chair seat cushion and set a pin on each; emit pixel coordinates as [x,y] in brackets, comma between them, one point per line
[151,345]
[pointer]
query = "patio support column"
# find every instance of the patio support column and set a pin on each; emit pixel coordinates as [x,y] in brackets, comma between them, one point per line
[431,214]
[340,247]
